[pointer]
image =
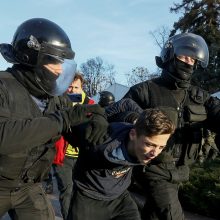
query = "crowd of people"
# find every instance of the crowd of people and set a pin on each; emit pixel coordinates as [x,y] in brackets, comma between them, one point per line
[150,137]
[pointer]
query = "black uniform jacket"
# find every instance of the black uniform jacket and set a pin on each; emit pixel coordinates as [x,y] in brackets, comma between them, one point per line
[27,136]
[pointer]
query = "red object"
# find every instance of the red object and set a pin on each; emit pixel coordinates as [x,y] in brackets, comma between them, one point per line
[60,146]
[91,101]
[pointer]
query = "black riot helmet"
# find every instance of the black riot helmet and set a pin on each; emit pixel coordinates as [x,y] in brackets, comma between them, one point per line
[185,44]
[106,98]
[38,42]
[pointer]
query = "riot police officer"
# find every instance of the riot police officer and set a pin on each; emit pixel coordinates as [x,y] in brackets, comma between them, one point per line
[188,106]
[106,98]
[34,113]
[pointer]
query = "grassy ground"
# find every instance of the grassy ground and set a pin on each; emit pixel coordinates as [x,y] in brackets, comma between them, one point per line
[201,194]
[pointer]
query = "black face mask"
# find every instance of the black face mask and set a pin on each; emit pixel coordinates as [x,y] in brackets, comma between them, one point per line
[183,70]
[27,77]
[45,79]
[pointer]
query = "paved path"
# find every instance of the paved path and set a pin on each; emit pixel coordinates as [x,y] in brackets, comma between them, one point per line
[55,202]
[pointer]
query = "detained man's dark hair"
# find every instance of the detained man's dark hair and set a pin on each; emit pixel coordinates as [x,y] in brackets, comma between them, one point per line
[153,122]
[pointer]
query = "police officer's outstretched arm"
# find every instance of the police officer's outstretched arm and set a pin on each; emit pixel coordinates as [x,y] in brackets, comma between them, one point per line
[124,110]
[139,94]
[19,134]
[93,115]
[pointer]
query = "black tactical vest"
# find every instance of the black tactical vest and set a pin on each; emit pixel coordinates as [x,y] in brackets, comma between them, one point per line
[186,109]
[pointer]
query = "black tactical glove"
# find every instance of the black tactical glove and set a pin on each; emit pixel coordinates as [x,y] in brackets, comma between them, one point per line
[180,174]
[80,114]
[157,172]
[96,130]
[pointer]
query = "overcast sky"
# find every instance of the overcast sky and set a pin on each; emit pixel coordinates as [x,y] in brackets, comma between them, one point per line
[115,30]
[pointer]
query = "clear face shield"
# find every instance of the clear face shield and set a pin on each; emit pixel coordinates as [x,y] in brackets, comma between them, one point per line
[54,74]
[194,47]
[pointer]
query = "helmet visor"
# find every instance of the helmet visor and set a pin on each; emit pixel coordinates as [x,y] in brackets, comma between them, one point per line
[195,48]
[54,74]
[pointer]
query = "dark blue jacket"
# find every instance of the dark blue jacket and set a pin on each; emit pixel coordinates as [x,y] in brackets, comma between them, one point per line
[104,172]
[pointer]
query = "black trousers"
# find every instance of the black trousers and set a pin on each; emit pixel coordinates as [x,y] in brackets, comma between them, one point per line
[64,177]
[28,203]
[85,208]
[162,201]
